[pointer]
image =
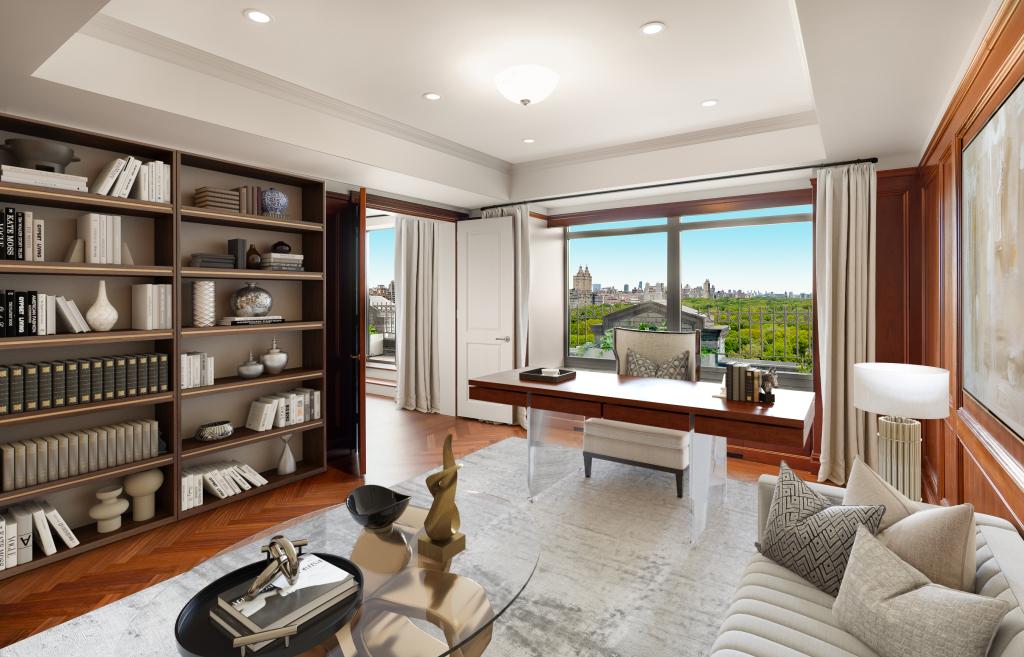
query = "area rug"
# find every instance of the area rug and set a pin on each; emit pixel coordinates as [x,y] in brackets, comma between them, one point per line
[617,576]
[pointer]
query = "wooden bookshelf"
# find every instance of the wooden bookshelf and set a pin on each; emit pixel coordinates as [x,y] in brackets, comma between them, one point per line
[177,229]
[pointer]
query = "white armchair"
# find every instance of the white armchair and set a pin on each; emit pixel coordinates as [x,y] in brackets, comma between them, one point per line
[655,448]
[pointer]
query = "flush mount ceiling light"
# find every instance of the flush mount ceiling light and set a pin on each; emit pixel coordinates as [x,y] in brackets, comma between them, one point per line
[710,102]
[529,140]
[257,16]
[430,95]
[527,83]
[652,28]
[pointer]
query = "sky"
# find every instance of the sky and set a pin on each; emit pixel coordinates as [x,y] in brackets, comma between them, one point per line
[380,256]
[773,258]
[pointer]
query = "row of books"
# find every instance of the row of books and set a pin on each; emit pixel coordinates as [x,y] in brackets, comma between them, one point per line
[103,238]
[250,199]
[215,261]
[32,313]
[22,526]
[281,261]
[222,480]
[284,409]
[51,179]
[36,461]
[151,306]
[743,382]
[40,386]
[196,370]
[124,176]
[216,198]
[24,236]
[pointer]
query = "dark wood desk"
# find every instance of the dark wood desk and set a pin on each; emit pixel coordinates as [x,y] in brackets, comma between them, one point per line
[759,432]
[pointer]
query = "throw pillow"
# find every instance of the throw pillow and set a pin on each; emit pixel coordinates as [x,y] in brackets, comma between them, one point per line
[938,542]
[865,486]
[807,534]
[895,610]
[677,367]
[637,365]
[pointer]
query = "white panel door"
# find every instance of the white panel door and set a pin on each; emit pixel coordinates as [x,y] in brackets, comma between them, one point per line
[486,310]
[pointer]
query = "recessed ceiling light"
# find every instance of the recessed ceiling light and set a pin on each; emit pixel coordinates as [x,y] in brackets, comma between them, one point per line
[529,140]
[257,16]
[430,95]
[652,28]
[710,102]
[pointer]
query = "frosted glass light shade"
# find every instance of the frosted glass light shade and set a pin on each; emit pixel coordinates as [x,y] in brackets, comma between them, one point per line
[526,84]
[901,390]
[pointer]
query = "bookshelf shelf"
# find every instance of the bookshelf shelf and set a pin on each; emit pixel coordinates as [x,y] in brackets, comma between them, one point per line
[231,383]
[83,269]
[275,480]
[76,339]
[191,448]
[237,220]
[22,494]
[251,274]
[85,201]
[280,327]
[93,407]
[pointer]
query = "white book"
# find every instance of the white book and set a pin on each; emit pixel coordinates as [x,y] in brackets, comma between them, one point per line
[142,307]
[125,437]
[23,521]
[29,237]
[38,239]
[83,452]
[83,326]
[212,484]
[51,314]
[29,179]
[59,526]
[42,460]
[166,183]
[41,314]
[104,181]
[127,178]
[63,455]
[112,432]
[65,315]
[250,473]
[106,241]
[116,242]
[10,545]
[52,456]
[3,543]
[226,480]
[167,305]
[236,475]
[42,527]
[73,447]
[140,189]
[154,437]
[93,457]
[89,232]
[19,464]
[39,173]
[31,469]
[7,465]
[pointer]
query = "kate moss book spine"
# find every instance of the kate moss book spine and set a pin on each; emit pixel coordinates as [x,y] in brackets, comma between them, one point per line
[10,222]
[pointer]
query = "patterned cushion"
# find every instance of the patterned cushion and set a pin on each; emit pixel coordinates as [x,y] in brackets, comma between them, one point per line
[807,534]
[677,367]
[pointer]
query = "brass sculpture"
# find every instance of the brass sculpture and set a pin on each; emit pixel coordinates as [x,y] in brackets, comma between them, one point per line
[443,540]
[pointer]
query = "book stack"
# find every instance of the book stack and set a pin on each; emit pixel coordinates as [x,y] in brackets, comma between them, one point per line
[743,383]
[24,237]
[250,199]
[25,176]
[250,321]
[36,313]
[216,198]
[212,260]
[284,409]
[28,524]
[28,387]
[103,239]
[151,306]
[222,480]
[35,461]
[319,587]
[281,261]
[196,370]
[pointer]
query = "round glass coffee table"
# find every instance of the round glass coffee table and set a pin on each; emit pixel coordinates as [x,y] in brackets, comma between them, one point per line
[413,606]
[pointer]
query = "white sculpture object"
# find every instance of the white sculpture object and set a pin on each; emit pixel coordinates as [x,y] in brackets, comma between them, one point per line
[102,315]
[286,464]
[107,513]
[142,486]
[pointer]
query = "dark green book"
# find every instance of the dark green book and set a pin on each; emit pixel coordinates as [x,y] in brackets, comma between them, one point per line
[5,390]
[59,383]
[132,376]
[120,377]
[162,373]
[154,374]
[143,376]
[71,382]
[108,377]
[84,381]
[30,395]
[97,379]
[17,389]
[45,395]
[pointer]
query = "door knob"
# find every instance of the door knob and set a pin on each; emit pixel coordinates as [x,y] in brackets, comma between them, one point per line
[504,339]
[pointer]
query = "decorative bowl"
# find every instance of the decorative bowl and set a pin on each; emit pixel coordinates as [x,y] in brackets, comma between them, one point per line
[376,507]
[213,431]
[251,301]
[41,154]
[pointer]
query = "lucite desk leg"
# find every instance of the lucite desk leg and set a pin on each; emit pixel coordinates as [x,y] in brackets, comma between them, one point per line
[707,479]
[547,461]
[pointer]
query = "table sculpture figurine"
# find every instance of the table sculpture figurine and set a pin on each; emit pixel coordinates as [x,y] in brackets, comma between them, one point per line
[443,540]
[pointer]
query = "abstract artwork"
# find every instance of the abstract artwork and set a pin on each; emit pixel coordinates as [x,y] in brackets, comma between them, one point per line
[993,270]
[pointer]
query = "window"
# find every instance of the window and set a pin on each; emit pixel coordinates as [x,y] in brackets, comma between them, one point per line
[380,299]
[744,278]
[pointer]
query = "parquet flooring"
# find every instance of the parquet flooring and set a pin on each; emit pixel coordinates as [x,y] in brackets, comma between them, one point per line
[402,444]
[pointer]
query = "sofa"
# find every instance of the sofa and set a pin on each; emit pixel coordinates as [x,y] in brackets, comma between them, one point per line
[776,613]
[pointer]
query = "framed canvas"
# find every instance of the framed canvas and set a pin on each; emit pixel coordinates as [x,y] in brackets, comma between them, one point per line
[992,230]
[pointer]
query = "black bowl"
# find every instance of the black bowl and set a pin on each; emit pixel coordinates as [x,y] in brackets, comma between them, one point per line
[376,507]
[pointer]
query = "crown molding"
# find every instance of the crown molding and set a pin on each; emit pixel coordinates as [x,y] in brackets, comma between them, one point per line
[124,34]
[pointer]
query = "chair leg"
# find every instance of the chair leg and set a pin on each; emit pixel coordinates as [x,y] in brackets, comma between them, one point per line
[587,462]
[679,485]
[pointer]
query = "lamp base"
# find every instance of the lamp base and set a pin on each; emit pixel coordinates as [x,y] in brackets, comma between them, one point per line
[899,454]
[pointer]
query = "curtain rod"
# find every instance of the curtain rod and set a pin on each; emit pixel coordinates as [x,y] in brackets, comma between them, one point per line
[872,160]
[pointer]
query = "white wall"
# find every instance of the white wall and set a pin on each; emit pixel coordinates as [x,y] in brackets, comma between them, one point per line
[547,295]
[446,314]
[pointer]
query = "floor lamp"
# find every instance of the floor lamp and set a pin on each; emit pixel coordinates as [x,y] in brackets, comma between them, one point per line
[897,393]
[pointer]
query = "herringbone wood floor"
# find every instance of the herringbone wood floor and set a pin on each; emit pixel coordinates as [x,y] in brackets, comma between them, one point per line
[401,445]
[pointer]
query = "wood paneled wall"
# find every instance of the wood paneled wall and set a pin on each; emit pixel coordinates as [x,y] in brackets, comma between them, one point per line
[970,456]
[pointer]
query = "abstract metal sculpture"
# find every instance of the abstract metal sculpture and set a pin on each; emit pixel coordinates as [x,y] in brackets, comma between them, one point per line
[443,540]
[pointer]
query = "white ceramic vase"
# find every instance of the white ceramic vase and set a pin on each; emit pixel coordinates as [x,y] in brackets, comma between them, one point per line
[107,513]
[102,315]
[286,464]
[142,487]
[203,298]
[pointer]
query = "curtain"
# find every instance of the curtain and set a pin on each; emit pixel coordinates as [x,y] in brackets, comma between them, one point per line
[844,267]
[519,214]
[416,340]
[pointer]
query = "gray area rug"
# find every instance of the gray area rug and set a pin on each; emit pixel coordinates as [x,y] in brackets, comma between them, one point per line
[617,575]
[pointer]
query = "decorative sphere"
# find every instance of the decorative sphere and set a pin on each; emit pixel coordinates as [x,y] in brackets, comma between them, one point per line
[251,301]
[274,202]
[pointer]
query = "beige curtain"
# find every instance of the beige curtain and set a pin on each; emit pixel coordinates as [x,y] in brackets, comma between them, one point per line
[416,340]
[519,215]
[844,266]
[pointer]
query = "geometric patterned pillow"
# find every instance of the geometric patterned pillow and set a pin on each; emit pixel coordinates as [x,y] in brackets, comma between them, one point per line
[805,533]
[637,365]
[677,367]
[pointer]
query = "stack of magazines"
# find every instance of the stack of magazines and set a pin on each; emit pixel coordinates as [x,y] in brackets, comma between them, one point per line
[281,261]
[25,176]
[319,587]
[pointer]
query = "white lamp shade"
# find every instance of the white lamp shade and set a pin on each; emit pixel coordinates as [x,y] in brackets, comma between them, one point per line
[526,84]
[901,390]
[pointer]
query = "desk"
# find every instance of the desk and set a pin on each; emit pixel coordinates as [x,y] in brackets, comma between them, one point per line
[682,405]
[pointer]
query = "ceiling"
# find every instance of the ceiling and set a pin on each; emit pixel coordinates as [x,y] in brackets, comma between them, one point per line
[332,88]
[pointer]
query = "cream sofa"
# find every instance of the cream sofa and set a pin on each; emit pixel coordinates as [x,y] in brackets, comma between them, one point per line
[776,613]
